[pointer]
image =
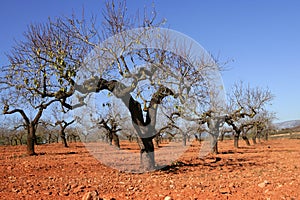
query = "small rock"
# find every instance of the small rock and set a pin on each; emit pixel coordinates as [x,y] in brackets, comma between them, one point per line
[15,190]
[47,193]
[168,198]
[224,190]
[262,185]
[81,187]
[65,193]
[91,196]
[74,186]
[266,191]
[130,188]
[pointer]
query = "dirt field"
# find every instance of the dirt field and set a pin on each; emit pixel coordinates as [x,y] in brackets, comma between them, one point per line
[269,170]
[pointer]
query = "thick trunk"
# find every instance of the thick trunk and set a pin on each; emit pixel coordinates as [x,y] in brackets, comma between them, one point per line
[245,138]
[236,140]
[214,144]
[214,126]
[222,137]
[254,139]
[116,140]
[109,138]
[63,138]
[157,140]
[184,139]
[31,140]
[147,154]
[49,138]
[215,148]
[198,138]
[266,135]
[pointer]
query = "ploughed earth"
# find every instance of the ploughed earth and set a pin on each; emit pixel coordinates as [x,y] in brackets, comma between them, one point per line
[267,170]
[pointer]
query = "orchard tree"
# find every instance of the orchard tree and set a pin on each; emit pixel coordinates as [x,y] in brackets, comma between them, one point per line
[60,118]
[148,69]
[63,125]
[109,119]
[214,122]
[262,125]
[244,104]
[48,129]
[40,72]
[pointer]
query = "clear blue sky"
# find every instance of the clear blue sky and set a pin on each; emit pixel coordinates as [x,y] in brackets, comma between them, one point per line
[262,37]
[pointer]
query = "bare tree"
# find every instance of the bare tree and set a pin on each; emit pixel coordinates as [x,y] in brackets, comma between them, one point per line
[40,72]
[63,125]
[48,130]
[110,121]
[262,125]
[72,135]
[244,104]
[15,131]
[172,77]
[61,120]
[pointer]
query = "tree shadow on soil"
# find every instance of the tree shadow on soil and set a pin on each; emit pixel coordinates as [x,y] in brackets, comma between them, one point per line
[180,165]
[57,153]
[213,163]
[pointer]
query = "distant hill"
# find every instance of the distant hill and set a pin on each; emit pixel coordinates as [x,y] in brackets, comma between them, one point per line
[292,124]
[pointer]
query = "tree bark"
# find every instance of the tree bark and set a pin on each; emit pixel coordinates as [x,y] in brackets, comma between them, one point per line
[266,135]
[245,138]
[116,140]
[31,137]
[215,148]
[214,144]
[157,140]
[109,137]
[236,140]
[49,138]
[63,137]
[222,137]
[214,127]
[184,139]
[254,139]
[147,159]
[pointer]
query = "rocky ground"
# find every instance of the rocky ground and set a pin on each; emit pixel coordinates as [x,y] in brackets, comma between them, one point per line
[268,170]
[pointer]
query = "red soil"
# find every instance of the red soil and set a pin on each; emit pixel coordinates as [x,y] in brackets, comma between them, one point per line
[269,170]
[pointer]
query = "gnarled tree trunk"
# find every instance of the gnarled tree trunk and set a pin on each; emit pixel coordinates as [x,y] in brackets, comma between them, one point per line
[145,127]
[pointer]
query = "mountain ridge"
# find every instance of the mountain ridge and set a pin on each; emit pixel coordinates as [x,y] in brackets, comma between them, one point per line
[287,124]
